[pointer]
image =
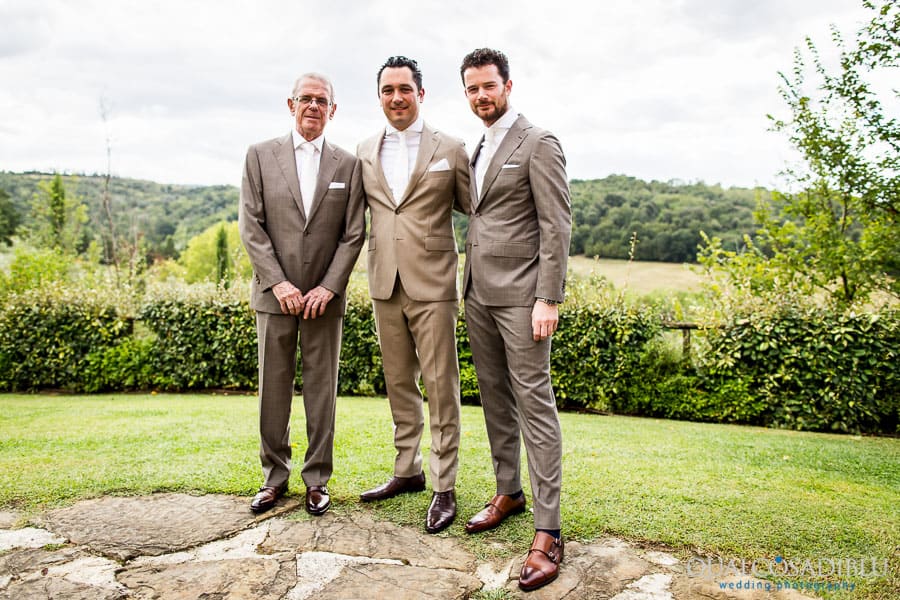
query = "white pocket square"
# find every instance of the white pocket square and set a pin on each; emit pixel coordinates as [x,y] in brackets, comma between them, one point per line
[441,165]
[337,185]
[510,167]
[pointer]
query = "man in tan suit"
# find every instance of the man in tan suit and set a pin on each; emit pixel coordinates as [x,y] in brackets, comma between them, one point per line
[414,176]
[516,253]
[302,222]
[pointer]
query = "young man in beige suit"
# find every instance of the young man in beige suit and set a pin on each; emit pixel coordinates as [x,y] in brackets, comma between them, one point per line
[516,254]
[414,176]
[302,221]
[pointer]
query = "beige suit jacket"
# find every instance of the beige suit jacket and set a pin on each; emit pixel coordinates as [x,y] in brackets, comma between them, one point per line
[517,246]
[414,238]
[283,242]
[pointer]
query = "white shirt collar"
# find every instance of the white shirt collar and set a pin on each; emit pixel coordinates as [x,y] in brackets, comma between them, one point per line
[504,122]
[299,139]
[416,127]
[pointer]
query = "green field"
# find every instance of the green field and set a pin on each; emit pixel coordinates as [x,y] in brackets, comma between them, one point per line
[640,277]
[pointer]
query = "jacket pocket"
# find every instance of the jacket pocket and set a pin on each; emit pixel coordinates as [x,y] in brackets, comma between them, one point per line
[514,249]
[434,243]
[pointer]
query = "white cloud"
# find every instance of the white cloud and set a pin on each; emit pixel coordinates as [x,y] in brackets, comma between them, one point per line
[651,88]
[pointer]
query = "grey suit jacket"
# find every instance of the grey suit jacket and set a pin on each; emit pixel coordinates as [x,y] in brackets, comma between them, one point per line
[415,238]
[517,246]
[283,242]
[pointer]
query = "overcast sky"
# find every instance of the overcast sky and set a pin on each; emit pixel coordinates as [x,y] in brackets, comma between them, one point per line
[656,89]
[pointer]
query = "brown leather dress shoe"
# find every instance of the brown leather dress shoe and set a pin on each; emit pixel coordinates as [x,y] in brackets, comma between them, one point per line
[396,485]
[266,497]
[542,565]
[317,500]
[441,512]
[500,507]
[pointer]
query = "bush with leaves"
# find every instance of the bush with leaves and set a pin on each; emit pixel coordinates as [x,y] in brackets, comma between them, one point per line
[808,367]
[205,337]
[46,336]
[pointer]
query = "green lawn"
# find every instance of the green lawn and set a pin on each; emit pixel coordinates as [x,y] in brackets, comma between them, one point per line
[739,492]
[640,276]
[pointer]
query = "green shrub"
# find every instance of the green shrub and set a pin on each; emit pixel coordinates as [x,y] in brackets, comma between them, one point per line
[597,350]
[812,368]
[47,334]
[35,268]
[361,371]
[127,366]
[468,380]
[205,337]
[775,363]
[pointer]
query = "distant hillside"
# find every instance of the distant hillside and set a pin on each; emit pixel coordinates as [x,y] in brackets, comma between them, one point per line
[667,216]
[166,215]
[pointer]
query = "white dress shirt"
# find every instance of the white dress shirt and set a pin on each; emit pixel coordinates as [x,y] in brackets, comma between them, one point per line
[307,180]
[390,147]
[493,137]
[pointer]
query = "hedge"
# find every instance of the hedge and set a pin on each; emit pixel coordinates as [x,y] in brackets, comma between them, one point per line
[810,368]
[800,368]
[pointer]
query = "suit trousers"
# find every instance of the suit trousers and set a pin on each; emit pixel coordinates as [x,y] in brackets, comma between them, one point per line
[419,338]
[320,343]
[517,398]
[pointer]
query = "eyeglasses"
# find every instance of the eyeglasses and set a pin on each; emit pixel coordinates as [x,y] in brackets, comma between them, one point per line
[307,100]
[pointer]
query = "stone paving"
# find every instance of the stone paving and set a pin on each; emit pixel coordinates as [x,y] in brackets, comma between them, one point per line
[176,546]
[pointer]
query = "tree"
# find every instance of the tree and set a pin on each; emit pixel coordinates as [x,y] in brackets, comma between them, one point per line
[839,233]
[57,219]
[223,260]
[110,246]
[9,218]
[201,258]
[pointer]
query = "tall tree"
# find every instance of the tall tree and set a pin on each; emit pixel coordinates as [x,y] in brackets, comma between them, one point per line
[9,218]
[839,232]
[111,241]
[223,260]
[57,219]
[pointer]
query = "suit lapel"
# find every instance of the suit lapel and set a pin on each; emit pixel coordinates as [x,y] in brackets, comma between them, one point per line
[428,144]
[374,158]
[287,162]
[513,139]
[473,185]
[328,164]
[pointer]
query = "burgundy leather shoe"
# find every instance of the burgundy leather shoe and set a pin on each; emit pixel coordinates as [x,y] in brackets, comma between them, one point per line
[441,512]
[266,497]
[396,485]
[317,500]
[542,564]
[495,511]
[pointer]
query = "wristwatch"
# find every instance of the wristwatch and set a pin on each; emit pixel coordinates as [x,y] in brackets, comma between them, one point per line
[547,301]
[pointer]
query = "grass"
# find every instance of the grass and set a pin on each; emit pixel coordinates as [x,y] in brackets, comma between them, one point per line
[640,277]
[736,492]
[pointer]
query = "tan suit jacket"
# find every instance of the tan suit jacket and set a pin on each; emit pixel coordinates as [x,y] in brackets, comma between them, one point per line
[412,241]
[517,246]
[415,237]
[283,242]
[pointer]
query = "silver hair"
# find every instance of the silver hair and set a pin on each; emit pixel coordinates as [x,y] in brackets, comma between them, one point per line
[318,77]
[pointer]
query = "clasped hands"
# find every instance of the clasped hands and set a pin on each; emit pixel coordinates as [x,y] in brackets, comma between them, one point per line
[294,302]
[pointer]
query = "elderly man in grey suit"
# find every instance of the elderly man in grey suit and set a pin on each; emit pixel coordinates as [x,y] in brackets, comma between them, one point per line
[302,222]
[414,176]
[516,254]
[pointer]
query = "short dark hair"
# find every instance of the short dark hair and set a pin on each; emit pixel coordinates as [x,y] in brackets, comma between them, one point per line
[483,57]
[395,62]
